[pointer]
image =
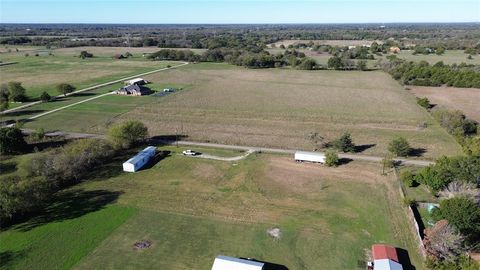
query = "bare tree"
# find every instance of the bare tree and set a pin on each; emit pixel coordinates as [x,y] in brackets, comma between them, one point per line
[442,242]
[460,188]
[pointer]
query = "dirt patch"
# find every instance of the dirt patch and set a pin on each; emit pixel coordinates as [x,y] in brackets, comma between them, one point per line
[301,177]
[463,99]
[206,171]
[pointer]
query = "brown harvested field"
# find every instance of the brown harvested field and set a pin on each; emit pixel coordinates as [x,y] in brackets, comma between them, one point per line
[466,100]
[279,108]
[286,43]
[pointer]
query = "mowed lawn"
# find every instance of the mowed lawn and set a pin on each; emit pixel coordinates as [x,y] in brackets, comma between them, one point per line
[280,108]
[43,72]
[192,210]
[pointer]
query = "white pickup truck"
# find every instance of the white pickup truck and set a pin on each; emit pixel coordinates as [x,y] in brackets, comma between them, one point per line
[190,153]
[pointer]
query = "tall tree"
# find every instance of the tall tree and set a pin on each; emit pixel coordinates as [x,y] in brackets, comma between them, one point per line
[16,92]
[65,88]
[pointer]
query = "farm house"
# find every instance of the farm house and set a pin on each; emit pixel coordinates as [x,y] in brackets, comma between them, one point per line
[230,263]
[384,258]
[133,90]
[139,160]
[301,156]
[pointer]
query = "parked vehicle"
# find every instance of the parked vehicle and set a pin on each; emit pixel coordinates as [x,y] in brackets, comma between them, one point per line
[190,153]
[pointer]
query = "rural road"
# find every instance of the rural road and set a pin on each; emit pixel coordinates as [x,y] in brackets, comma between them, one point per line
[237,158]
[248,149]
[89,89]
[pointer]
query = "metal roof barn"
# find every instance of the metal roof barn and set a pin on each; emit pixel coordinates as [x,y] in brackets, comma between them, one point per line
[230,263]
[386,264]
[301,156]
[139,160]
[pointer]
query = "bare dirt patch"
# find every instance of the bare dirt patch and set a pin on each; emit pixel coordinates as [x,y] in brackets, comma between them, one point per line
[466,100]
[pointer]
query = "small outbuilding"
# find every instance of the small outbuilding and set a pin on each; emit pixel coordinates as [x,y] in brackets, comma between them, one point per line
[137,81]
[230,263]
[302,156]
[139,160]
[385,258]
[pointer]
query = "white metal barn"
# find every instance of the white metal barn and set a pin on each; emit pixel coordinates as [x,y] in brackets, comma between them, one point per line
[386,264]
[137,81]
[230,263]
[301,156]
[139,160]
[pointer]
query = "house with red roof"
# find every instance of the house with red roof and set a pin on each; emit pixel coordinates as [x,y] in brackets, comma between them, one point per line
[385,258]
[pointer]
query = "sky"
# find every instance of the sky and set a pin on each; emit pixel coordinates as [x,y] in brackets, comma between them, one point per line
[237,11]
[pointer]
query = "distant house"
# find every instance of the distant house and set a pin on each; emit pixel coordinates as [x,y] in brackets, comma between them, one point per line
[230,263]
[139,160]
[384,258]
[138,81]
[395,49]
[133,90]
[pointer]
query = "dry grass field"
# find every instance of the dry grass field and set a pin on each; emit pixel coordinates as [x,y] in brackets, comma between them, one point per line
[279,108]
[466,100]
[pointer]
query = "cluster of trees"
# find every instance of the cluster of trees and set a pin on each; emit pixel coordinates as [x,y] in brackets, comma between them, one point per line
[428,50]
[41,174]
[11,92]
[424,74]
[342,63]
[240,57]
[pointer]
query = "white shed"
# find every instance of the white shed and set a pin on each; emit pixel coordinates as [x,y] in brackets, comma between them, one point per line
[301,156]
[230,263]
[139,160]
[386,264]
[138,81]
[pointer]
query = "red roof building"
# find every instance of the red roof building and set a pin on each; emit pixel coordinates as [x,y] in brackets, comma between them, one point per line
[381,252]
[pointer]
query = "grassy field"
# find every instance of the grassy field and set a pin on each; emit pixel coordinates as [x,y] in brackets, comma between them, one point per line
[194,209]
[466,100]
[43,72]
[279,108]
[449,57]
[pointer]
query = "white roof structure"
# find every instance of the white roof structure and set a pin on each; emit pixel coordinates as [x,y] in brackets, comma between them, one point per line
[386,264]
[135,81]
[139,160]
[230,263]
[309,156]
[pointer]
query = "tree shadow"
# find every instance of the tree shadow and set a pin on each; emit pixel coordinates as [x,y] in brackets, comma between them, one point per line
[268,265]
[23,112]
[46,144]
[344,161]
[404,259]
[166,139]
[7,257]
[417,152]
[69,205]
[363,147]
[155,159]
[7,167]
[83,94]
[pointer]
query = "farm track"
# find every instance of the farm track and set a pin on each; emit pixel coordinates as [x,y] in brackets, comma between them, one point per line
[248,149]
[85,90]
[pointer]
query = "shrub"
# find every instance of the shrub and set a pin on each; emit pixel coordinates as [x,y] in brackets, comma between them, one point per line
[39,134]
[344,143]
[11,140]
[424,102]
[463,213]
[65,88]
[408,178]
[126,134]
[331,159]
[21,195]
[85,54]
[400,147]
[45,97]
[16,92]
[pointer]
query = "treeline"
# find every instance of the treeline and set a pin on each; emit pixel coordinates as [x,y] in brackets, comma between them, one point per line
[424,74]
[449,36]
[255,58]
[41,174]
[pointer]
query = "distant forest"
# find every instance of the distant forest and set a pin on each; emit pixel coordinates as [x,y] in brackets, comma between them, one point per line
[450,36]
